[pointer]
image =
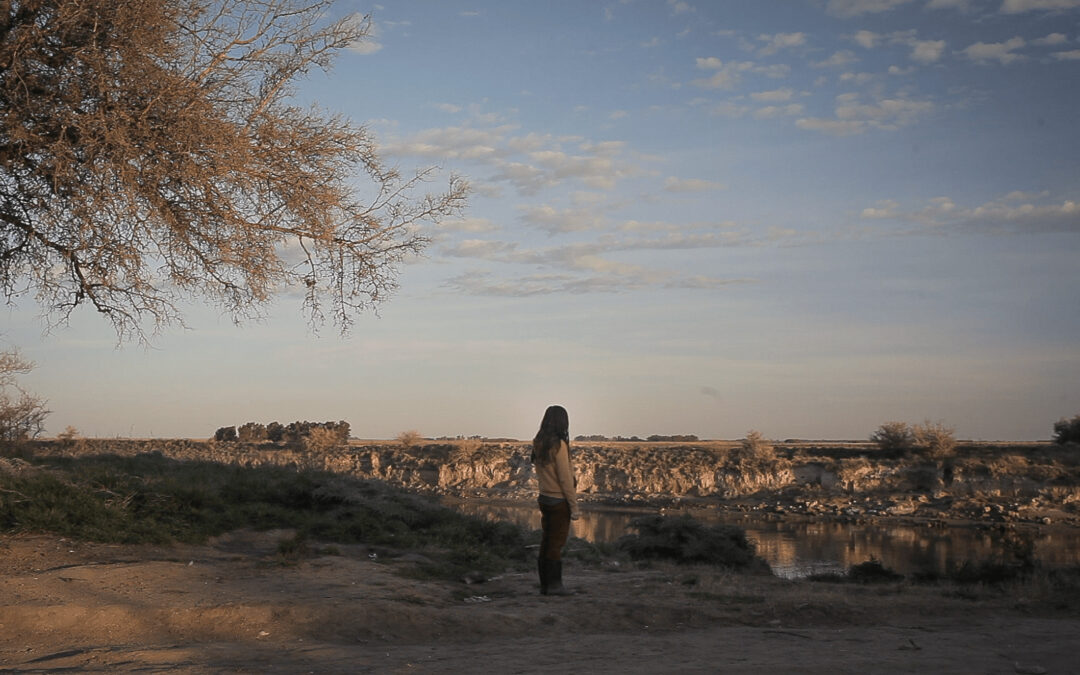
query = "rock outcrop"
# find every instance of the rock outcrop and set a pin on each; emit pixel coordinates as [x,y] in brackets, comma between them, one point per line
[1035,482]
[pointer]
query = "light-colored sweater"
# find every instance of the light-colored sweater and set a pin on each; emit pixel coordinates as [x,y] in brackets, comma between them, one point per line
[557,477]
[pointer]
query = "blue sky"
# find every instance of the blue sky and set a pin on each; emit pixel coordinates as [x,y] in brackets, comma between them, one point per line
[806,218]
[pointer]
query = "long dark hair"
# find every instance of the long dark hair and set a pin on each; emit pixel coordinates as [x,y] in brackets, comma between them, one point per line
[554,427]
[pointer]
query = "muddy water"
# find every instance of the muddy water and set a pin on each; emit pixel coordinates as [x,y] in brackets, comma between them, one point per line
[797,549]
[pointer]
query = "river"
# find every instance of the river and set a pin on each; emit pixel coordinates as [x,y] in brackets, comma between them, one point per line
[798,549]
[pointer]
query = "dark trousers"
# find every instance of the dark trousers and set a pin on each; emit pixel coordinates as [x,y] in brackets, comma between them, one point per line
[555,522]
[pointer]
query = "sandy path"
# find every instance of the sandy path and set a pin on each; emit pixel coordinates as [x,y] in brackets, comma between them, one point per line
[233,607]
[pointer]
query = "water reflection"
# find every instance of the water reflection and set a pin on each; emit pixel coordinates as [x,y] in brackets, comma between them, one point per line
[795,549]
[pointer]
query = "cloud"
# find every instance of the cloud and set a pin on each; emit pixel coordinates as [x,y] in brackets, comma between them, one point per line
[553,220]
[770,111]
[855,116]
[851,8]
[866,39]
[728,74]
[1050,40]
[1002,52]
[1018,6]
[1016,213]
[773,96]
[369,44]
[530,162]
[886,208]
[774,43]
[448,107]
[840,59]
[927,51]
[832,127]
[673,184]
[680,7]
[1072,55]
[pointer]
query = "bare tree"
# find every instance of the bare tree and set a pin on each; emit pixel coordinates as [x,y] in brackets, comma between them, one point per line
[150,153]
[22,415]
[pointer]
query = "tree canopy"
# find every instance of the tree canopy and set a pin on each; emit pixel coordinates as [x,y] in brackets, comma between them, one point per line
[151,152]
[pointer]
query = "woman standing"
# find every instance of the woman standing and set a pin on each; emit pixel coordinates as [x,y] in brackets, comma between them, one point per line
[558,497]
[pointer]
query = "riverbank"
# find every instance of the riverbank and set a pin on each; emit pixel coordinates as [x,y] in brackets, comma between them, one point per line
[986,484]
[234,605]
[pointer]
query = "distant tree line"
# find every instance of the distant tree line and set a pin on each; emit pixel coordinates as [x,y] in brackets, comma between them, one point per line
[293,433]
[655,438]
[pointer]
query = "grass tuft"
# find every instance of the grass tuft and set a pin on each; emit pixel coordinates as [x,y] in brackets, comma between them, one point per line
[152,499]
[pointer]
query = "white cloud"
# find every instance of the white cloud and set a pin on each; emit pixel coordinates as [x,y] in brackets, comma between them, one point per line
[1002,52]
[832,127]
[674,184]
[855,116]
[369,44]
[618,115]
[927,51]
[851,8]
[774,43]
[652,42]
[1050,40]
[1018,6]
[857,78]
[883,209]
[1072,55]
[773,96]
[842,58]
[866,39]
[680,7]
[1016,213]
[727,75]
[530,162]
[448,107]
[790,110]
[553,220]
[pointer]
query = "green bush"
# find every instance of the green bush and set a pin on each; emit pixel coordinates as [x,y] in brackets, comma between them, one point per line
[1067,430]
[893,437]
[685,540]
[152,499]
[934,440]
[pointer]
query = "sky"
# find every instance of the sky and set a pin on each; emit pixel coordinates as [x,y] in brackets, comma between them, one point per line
[806,218]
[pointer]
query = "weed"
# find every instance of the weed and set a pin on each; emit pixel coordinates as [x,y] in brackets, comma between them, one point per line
[686,540]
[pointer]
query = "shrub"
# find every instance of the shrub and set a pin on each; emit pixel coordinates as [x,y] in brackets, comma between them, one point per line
[685,540]
[225,434]
[321,439]
[893,437]
[933,439]
[409,438]
[1067,430]
[252,432]
[69,434]
[465,450]
[22,415]
[872,571]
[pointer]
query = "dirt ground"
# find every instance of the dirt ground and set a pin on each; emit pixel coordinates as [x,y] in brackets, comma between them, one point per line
[236,606]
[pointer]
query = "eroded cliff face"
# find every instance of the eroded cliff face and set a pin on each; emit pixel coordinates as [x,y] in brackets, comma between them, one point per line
[980,481]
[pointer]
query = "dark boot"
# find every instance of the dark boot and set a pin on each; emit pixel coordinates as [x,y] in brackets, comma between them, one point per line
[554,579]
[541,568]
